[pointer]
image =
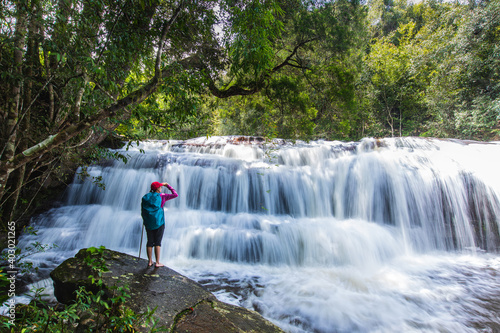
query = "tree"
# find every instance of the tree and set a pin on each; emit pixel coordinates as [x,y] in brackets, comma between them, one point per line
[396,88]
[461,59]
[77,69]
[282,110]
[334,68]
[315,95]
[477,43]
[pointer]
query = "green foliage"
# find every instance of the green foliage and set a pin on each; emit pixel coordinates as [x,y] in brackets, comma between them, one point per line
[94,156]
[480,119]
[395,89]
[253,30]
[314,94]
[435,72]
[96,262]
[243,116]
[4,284]
[20,256]
[340,69]
[101,311]
[292,111]
[459,55]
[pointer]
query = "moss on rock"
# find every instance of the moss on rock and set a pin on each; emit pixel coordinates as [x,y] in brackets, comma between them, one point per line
[181,304]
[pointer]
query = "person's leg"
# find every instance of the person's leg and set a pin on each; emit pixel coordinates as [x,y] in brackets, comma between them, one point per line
[149,251]
[157,241]
[149,246]
[157,255]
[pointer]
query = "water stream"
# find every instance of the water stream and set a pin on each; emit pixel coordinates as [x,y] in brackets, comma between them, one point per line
[391,235]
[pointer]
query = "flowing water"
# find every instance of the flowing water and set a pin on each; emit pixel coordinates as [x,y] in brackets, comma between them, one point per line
[392,235]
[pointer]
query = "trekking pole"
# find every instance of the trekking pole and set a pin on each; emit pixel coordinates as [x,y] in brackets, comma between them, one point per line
[140,247]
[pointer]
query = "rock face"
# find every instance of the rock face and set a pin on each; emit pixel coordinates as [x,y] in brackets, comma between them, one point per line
[181,304]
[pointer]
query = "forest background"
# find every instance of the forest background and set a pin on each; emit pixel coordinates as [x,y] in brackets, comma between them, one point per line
[76,73]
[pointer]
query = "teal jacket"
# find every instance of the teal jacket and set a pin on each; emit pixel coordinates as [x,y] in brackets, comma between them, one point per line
[152,213]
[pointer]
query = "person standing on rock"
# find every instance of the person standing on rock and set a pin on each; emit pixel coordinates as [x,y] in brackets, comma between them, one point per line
[153,218]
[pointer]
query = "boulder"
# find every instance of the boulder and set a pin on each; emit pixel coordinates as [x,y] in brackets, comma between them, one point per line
[182,305]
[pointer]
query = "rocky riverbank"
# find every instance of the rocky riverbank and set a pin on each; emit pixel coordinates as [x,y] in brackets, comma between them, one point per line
[182,305]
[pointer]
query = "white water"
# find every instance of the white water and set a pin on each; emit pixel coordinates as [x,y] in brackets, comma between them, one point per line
[393,235]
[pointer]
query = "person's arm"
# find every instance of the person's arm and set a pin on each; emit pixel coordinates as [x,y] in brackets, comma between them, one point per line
[165,196]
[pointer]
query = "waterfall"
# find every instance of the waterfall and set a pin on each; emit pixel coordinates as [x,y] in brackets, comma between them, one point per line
[381,235]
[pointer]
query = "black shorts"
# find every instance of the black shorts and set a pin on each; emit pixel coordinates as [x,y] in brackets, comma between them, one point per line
[155,236]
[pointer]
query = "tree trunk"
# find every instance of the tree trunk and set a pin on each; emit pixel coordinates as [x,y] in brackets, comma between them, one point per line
[32,70]
[8,209]
[15,103]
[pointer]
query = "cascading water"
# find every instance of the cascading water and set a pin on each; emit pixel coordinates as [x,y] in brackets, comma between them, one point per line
[392,235]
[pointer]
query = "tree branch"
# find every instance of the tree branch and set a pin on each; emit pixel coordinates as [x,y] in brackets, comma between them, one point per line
[258,85]
[165,30]
[294,52]
[73,130]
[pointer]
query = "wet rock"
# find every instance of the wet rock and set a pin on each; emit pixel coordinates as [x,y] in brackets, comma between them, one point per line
[181,304]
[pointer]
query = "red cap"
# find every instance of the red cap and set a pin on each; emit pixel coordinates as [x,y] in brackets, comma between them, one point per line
[155,186]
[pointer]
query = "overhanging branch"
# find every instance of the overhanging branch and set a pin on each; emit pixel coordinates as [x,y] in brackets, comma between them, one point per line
[286,62]
[258,85]
[165,30]
[75,129]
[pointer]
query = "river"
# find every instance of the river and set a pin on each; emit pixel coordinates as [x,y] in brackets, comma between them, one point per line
[380,235]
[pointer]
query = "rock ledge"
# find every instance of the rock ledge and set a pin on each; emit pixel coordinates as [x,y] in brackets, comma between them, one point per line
[182,305]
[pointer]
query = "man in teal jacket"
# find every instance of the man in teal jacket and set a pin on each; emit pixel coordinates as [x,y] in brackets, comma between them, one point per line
[154,218]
